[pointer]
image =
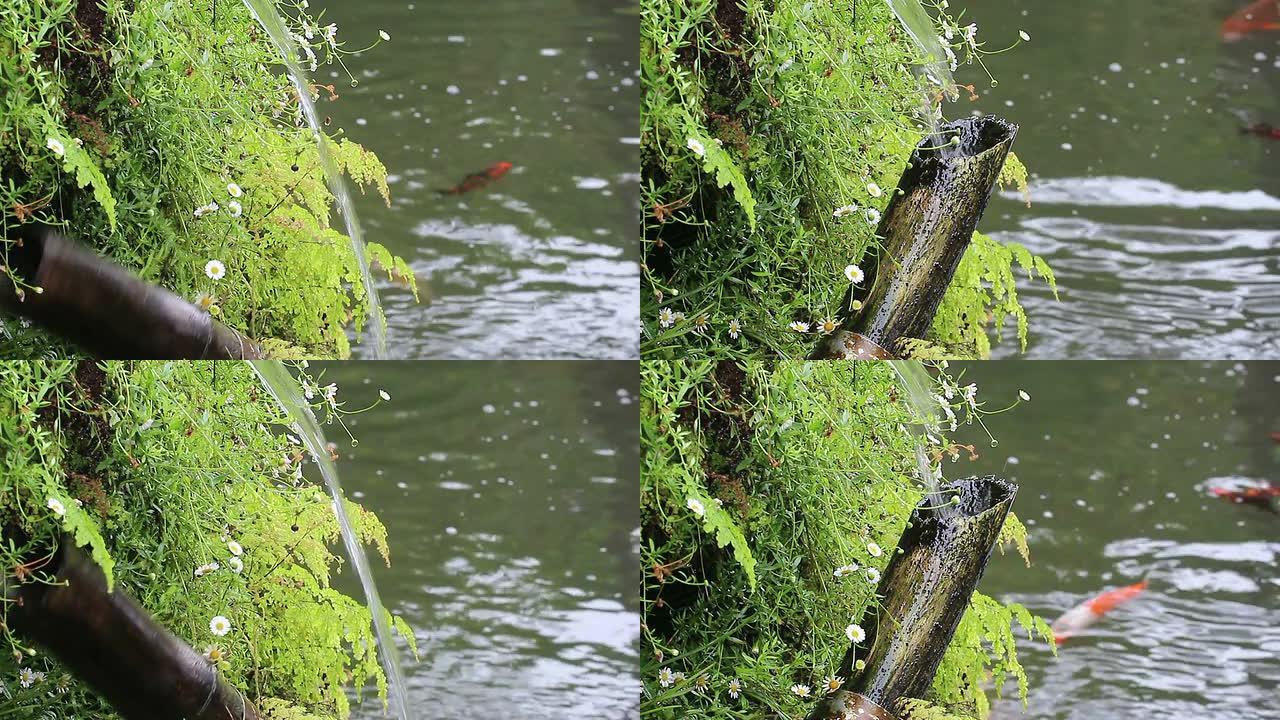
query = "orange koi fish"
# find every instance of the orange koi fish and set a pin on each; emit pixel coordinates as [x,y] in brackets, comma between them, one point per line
[477,180]
[1259,496]
[1091,611]
[1259,16]
[1266,131]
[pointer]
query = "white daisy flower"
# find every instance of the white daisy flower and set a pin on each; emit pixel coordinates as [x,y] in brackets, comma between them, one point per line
[735,688]
[215,269]
[874,549]
[234,190]
[666,318]
[874,190]
[799,327]
[833,682]
[665,677]
[826,326]
[873,575]
[696,506]
[697,147]
[236,565]
[235,209]
[844,570]
[57,507]
[800,690]
[26,677]
[56,146]
[873,215]
[734,328]
[855,633]
[220,626]
[235,548]
[854,273]
[845,210]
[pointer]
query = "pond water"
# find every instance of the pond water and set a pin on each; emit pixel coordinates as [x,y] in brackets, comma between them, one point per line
[1114,461]
[509,495]
[543,261]
[1160,218]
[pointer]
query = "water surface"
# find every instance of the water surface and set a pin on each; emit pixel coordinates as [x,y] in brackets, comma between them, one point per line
[1160,218]
[1114,461]
[509,495]
[543,262]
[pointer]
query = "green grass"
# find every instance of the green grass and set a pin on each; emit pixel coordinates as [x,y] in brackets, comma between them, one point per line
[796,468]
[156,111]
[159,466]
[759,120]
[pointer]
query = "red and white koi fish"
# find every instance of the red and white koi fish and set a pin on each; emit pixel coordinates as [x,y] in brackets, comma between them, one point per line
[1091,611]
[1261,496]
[1257,17]
[1266,131]
[477,180]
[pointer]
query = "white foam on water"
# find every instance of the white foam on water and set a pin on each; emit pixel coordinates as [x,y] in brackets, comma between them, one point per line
[1119,191]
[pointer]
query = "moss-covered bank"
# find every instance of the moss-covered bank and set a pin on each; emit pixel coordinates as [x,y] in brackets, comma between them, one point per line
[181,481]
[771,497]
[164,135]
[772,133]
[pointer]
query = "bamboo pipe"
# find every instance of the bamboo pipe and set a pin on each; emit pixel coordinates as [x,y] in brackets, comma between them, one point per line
[923,594]
[926,229]
[107,310]
[106,639]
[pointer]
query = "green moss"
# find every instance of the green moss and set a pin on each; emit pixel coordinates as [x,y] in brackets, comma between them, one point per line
[156,110]
[801,466]
[159,466]
[759,120]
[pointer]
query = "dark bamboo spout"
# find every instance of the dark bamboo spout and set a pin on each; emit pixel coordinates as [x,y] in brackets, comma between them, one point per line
[924,233]
[108,311]
[108,641]
[923,594]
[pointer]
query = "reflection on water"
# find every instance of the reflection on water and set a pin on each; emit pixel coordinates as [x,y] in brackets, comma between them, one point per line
[509,493]
[542,261]
[1159,217]
[1115,462]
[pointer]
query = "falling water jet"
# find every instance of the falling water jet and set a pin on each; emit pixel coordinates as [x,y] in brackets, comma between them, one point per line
[934,71]
[264,12]
[285,390]
[922,596]
[915,380]
[107,310]
[925,230]
[107,640]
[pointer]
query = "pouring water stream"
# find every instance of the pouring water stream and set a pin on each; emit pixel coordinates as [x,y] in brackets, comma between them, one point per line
[935,70]
[264,12]
[917,384]
[284,388]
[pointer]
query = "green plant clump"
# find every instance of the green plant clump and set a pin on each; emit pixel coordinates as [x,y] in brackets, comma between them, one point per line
[771,499]
[166,140]
[180,481]
[772,135]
